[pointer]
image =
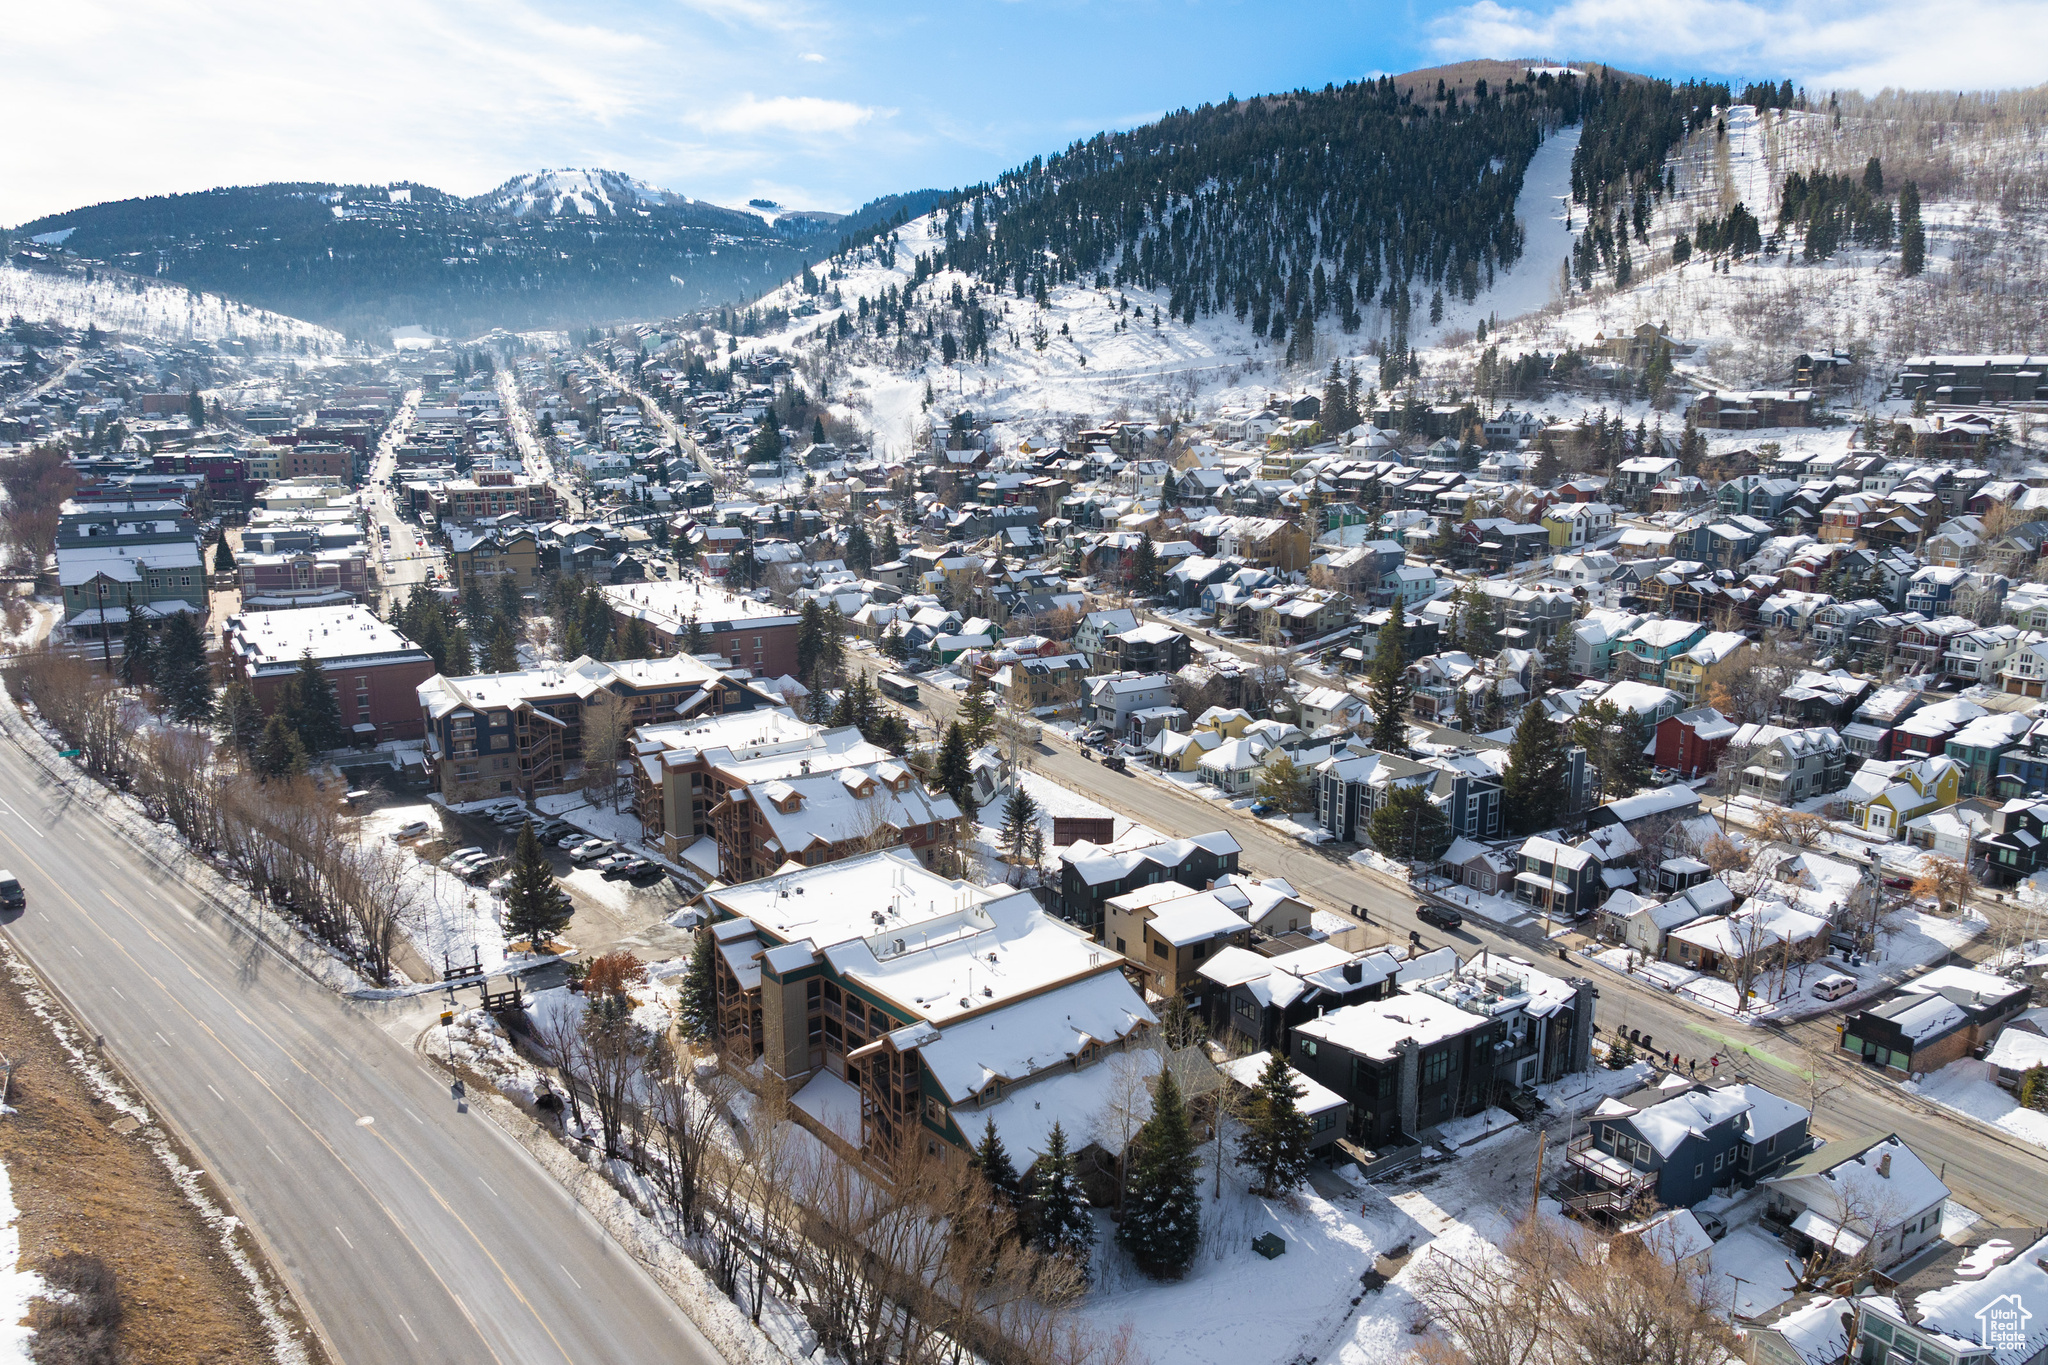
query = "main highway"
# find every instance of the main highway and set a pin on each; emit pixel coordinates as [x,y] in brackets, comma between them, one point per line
[1988,1171]
[411,1229]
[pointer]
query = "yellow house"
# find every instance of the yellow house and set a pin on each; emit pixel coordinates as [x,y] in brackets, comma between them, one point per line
[1179,752]
[1577,523]
[1884,795]
[1686,674]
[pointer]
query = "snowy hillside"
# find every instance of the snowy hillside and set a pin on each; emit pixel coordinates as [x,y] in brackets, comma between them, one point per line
[592,193]
[1102,351]
[132,305]
[1987,250]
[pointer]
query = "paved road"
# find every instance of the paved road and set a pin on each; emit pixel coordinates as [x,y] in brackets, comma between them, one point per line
[412,1230]
[2001,1178]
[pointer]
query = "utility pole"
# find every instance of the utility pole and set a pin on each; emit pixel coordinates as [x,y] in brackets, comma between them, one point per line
[1536,1186]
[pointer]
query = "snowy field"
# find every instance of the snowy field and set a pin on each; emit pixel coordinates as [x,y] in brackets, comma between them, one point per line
[450,918]
[130,304]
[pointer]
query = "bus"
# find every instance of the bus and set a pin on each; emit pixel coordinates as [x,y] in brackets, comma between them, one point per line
[897,685]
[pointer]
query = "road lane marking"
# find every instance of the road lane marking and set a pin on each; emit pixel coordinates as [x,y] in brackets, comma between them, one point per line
[273,1154]
[281,1005]
[216,1094]
[408,1328]
[572,1279]
[117,990]
[344,1237]
[74,948]
[24,819]
[161,1039]
[414,1117]
[487,1185]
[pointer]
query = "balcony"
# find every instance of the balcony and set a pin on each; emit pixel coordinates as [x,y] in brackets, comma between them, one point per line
[1609,1170]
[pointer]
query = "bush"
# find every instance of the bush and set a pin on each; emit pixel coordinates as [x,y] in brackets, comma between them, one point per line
[83,1328]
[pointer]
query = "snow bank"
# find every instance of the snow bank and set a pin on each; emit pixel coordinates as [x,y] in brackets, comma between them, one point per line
[17,1287]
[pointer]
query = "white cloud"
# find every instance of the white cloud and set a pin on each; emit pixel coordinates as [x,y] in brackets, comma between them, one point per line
[813,57]
[802,114]
[1975,45]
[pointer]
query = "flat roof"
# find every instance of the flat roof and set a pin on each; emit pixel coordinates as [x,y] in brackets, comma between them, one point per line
[274,641]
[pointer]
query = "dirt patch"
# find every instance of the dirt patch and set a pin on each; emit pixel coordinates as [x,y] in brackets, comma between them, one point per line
[90,1179]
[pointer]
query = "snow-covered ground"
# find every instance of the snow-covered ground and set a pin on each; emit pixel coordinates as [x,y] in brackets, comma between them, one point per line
[451,920]
[117,303]
[1968,1087]
[17,1286]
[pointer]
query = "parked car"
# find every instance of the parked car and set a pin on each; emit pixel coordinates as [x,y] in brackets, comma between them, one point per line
[611,863]
[1438,915]
[551,831]
[1899,883]
[1834,986]
[411,830]
[624,865]
[511,818]
[571,840]
[591,850]
[483,869]
[462,854]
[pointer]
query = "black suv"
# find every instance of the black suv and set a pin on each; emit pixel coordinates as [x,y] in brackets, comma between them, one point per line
[1439,916]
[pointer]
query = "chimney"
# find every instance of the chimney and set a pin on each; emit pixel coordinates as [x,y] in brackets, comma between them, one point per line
[1354,972]
[1884,1166]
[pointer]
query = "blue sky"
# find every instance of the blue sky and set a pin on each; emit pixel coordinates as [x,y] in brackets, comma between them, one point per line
[817,105]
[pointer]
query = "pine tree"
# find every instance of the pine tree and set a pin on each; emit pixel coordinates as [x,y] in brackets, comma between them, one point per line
[1557,654]
[955,775]
[1388,687]
[1162,1213]
[1408,826]
[311,708]
[860,549]
[535,909]
[223,557]
[978,712]
[239,719]
[1020,817]
[887,550]
[2034,1087]
[279,754]
[179,670]
[699,1002]
[503,655]
[1064,1228]
[1276,1133]
[1533,792]
[1912,236]
[1145,568]
[992,1159]
[135,652]
[1475,625]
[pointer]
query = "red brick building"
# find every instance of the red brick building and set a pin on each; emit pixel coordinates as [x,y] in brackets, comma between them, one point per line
[375,669]
[492,493]
[311,577]
[757,636]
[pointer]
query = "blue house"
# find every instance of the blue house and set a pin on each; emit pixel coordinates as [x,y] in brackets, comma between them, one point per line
[1675,1148]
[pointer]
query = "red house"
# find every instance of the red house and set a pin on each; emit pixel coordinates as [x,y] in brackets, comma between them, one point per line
[376,670]
[1690,743]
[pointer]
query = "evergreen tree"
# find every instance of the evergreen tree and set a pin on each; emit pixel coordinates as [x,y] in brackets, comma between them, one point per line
[956,777]
[239,719]
[535,909]
[279,754]
[1145,568]
[1912,235]
[992,1159]
[1064,1228]
[1475,623]
[1162,1213]
[1557,655]
[135,651]
[699,1002]
[1408,826]
[860,549]
[1020,817]
[977,714]
[179,670]
[311,708]
[887,550]
[223,557]
[503,654]
[810,643]
[693,636]
[1389,691]
[1276,1133]
[1533,792]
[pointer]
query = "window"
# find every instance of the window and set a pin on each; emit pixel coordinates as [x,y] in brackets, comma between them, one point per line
[1770,1144]
[1245,1008]
[1158,947]
[1308,1047]
[1436,1067]
[1699,1169]
[1120,946]
[1718,1158]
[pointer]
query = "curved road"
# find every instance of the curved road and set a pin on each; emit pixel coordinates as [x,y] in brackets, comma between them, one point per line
[411,1230]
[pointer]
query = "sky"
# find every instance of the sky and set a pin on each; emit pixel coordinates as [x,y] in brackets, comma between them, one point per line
[818,105]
